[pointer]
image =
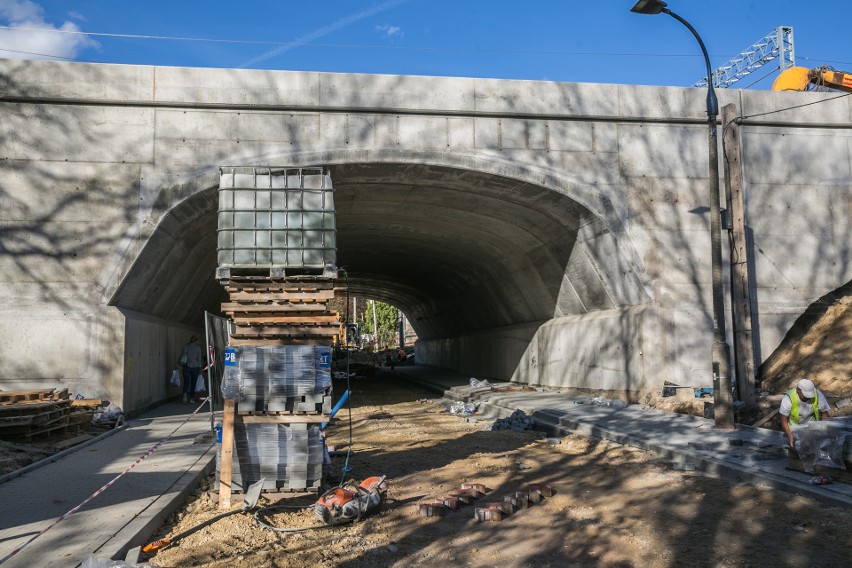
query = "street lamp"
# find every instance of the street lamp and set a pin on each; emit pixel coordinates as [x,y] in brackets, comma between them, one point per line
[723,404]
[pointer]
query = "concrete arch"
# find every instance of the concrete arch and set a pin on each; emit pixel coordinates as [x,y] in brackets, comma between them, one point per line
[459,242]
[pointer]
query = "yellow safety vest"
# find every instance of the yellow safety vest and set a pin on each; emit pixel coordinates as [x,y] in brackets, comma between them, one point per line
[794,412]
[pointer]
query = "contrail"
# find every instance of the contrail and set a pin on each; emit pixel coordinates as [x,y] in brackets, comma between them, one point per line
[324,31]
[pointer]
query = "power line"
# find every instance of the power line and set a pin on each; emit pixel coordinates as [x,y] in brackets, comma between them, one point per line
[821,60]
[38,54]
[355,45]
[794,107]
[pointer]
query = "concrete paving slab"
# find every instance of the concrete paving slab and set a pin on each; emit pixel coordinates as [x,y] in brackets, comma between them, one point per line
[745,455]
[127,513]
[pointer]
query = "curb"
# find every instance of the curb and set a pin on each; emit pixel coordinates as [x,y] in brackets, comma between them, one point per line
[714,467]
[59,455]
[139,530]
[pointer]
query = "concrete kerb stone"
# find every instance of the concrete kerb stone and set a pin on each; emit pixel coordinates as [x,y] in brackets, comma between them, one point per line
[711,463]
[714,464]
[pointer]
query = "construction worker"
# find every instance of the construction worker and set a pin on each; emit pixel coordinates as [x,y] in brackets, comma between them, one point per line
[801,405]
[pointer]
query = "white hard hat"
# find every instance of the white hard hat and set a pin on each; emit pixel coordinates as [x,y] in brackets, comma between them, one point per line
[807,388]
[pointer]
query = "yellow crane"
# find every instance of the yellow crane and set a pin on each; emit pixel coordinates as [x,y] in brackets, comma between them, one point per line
[821,78]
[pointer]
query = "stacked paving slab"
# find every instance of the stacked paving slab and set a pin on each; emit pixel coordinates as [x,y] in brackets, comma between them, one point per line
[277,260]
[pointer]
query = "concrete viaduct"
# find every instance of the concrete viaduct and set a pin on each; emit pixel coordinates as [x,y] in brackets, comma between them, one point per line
[550,233]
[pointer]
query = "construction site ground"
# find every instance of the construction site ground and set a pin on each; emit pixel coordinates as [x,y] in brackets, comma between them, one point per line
[634,486]
[639,487]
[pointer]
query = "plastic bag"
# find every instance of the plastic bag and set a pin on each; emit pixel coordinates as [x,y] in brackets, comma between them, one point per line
[93,561]
[602,401]
[462,408]
[200,384]
[106,414]
[820,445]
[175,380]
[474,383]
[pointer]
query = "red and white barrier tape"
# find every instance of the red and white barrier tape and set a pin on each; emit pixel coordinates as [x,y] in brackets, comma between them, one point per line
[153,449]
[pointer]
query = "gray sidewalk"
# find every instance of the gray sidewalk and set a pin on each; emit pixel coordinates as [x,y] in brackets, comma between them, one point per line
[126,513]
[752,455]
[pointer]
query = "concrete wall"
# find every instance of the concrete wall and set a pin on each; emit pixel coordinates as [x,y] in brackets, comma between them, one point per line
[153,347]
[518,203]
[625,350]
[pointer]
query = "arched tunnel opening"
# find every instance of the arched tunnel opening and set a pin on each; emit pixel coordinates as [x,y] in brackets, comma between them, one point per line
[458,251]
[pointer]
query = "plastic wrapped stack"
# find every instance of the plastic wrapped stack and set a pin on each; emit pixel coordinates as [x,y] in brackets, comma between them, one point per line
[287,456]
[273,377]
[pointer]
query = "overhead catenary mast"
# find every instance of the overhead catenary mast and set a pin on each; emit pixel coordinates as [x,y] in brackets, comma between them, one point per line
[778,44]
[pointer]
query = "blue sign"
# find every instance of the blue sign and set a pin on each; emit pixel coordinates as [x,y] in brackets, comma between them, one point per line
[230,357]
[323,357]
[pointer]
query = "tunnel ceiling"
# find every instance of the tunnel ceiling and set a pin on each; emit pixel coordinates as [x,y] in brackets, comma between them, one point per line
[456,250]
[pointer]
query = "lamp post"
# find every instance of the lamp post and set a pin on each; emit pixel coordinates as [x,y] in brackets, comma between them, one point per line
[720,354]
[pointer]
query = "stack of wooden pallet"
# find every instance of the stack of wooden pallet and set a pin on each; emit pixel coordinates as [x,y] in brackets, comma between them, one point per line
[25,414]
[282,334]
[282,311]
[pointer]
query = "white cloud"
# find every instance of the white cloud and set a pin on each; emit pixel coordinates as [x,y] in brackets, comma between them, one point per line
[29,36]
[388,30]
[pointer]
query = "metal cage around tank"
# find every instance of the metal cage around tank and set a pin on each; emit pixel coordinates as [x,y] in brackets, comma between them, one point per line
[275,220]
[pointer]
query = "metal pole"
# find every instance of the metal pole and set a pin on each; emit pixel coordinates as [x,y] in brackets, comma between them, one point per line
[375,329]
[209,369]
[720,353]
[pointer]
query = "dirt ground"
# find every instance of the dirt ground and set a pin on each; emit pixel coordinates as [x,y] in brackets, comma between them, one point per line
[614,505]
[823,354]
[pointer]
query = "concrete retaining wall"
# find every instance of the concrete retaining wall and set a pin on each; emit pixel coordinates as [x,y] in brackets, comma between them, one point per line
[153,349]
[623,350]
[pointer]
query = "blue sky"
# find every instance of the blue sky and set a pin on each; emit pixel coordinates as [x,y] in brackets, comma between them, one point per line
[598,41]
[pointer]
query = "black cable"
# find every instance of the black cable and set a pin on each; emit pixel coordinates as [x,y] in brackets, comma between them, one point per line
[345,469]
[741,118]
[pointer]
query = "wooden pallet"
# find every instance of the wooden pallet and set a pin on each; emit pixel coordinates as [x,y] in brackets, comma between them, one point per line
[288,318]
[272,307]
[836,474]
[318,296]
[281,310]
[795,464]
[280,418]
[237,341]
[34,417]
[225,274]
[285,330]
[36,395]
